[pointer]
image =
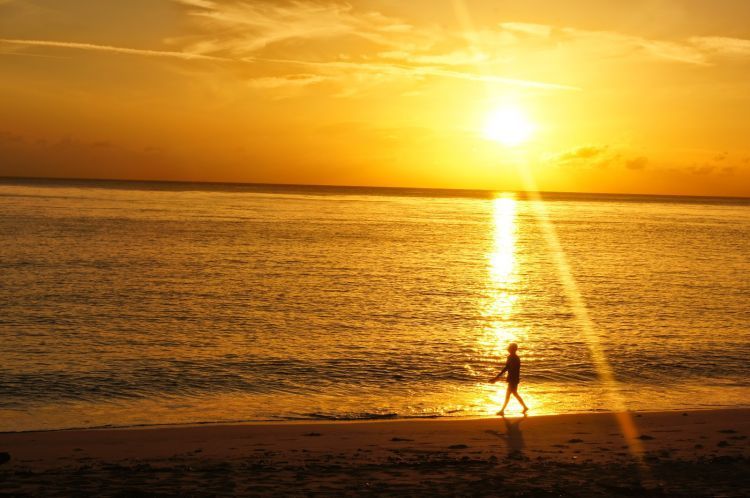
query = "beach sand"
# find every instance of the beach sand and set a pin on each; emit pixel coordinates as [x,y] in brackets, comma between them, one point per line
[700,453]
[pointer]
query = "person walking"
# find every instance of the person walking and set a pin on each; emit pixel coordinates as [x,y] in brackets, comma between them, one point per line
[513,367]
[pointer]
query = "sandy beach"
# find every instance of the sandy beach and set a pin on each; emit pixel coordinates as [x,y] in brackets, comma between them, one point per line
[699,453]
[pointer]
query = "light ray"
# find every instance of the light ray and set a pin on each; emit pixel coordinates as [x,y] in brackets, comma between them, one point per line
[580,310]
[577,303]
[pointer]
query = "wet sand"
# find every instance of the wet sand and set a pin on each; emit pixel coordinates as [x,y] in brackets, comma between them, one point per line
[700,453]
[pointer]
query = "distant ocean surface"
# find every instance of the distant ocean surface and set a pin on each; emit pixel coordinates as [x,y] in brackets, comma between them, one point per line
[125,303]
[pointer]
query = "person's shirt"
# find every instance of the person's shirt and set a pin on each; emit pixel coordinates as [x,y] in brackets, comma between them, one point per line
[513,367]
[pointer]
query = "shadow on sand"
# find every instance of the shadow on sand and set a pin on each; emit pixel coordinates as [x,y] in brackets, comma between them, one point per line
[513,437]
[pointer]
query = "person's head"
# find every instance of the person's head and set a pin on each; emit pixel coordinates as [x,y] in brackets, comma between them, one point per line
[512,348]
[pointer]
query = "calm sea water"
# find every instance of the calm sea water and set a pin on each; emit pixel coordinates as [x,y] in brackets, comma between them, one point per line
[140,303]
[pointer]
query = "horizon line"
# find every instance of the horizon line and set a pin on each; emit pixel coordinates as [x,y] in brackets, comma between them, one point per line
[322,185]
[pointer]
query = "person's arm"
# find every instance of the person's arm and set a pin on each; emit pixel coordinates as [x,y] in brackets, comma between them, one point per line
[497,377]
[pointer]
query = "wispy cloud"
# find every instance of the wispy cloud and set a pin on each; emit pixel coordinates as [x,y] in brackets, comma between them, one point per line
[333,40]
[637,163]
[585,156]
[245,27]
[109,48]
[722,45]
[288,81]
[583,152]
[385,69]
[338,41]
[607,43]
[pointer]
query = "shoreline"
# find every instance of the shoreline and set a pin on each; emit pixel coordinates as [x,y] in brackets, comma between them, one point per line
[386,418]
[696,453]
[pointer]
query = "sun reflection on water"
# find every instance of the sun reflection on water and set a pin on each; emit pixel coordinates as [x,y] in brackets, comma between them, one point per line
[502,259]
[502,277]
[501,296]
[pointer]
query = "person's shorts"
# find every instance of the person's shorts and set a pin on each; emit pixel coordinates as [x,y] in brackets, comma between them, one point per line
[513,385]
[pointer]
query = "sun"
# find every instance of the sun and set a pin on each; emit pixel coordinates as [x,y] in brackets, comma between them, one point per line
[508,125]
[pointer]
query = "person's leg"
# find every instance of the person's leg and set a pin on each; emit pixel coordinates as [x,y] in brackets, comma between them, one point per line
[520,399]
[507,398]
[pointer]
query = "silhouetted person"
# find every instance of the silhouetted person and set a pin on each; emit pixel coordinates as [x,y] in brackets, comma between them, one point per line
[513,367]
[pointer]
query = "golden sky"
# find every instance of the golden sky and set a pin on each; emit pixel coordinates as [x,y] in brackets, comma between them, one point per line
[640,96]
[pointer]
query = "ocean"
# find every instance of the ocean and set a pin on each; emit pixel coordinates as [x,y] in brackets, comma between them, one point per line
[137,303]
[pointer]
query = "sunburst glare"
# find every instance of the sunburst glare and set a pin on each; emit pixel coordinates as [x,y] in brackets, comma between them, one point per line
[509,125]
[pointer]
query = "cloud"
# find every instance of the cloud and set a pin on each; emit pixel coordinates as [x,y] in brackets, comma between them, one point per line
[290,80]
[337,41]
[395,70]
[455,58]
[717,163]
[242,28]
[672,51]
[608,43]
[705,169]
[722,45]
[107,48]
[79,157]
[370,48]
[636,163]
[300,44]
[698,50]
[536,30]
[599,156]
[583,152]
[7,137]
